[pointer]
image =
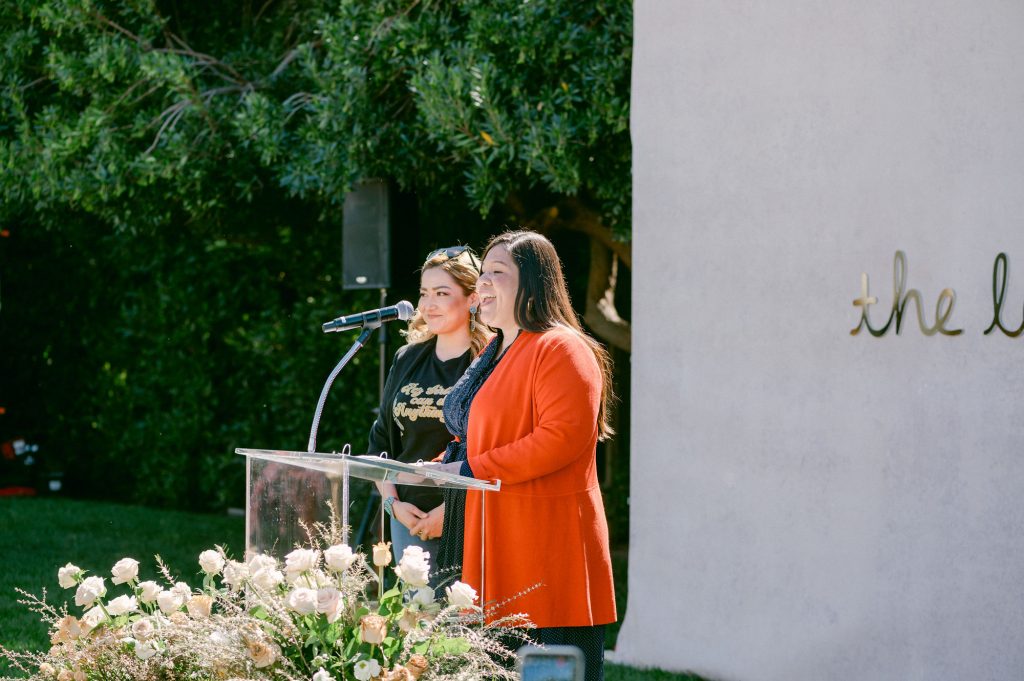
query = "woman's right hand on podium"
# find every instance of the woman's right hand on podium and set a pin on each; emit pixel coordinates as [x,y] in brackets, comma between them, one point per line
[407,514]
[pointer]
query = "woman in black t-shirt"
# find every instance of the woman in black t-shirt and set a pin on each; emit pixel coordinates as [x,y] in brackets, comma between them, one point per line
[443,338]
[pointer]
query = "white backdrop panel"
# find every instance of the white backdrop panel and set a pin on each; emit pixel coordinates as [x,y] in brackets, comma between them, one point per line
[807,504]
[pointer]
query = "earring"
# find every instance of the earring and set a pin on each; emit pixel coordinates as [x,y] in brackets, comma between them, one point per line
[472,318]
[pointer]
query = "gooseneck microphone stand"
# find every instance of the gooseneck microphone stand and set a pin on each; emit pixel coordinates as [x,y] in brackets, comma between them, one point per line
[364,336]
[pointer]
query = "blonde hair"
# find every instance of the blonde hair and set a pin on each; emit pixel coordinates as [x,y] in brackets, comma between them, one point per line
[464,268]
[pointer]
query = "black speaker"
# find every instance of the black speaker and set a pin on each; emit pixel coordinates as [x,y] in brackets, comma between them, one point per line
[366,236]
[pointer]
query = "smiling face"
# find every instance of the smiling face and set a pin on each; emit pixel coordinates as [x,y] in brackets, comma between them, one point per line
[443,304]
[498,286]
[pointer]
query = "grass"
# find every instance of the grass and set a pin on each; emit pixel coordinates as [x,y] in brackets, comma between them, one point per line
[616,672]
[41,535]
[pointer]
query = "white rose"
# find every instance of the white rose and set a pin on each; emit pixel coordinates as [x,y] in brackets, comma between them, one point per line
[169,601]
[339,557]
[125,570]
[211,562]
[68,575]
[235,573]
[92,619]
[148,591]
[314,579]
[89,590]
[414,568]
[267,578]
[182,589]
[423,596]
[262,562]
[302,601]
[301,560]
[321,579]
[322,675]
[407,622]
[461,594]
[327,599]
[122,605]
[329,602]
[143,629]
[146,649]
[366,669]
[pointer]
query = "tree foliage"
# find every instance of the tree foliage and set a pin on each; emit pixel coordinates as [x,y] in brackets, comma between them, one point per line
[172,175]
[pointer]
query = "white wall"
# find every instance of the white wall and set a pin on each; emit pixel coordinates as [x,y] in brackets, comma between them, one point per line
[807,504]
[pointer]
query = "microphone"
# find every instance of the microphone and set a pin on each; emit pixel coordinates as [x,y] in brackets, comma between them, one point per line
[402,310]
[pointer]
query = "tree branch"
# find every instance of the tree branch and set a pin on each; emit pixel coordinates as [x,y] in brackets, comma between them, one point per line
[601,315]
[120,29]
[583,219]
[606,252]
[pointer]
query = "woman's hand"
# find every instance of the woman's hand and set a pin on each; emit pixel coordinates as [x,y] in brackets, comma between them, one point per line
[454,468]
[430,526]
[407,514]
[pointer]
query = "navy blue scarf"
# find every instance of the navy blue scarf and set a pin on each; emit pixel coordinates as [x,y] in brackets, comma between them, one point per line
[456,418]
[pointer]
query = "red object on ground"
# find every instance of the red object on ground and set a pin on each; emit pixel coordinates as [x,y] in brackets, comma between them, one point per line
[17,492]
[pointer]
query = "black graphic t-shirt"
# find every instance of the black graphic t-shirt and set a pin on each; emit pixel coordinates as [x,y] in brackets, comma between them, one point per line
[415,400]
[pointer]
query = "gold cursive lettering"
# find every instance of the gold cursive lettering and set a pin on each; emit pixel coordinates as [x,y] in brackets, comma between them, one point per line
[900,298]
[1000,273]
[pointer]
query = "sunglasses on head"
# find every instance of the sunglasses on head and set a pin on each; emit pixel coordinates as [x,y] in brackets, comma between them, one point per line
[453,252]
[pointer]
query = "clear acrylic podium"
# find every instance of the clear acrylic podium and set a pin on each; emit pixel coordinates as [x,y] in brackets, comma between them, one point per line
[285,490]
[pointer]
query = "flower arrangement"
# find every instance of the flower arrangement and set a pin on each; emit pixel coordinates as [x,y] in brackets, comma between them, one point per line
[308,619]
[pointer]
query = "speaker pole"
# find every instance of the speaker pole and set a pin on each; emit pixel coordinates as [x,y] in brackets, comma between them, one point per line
[383,339]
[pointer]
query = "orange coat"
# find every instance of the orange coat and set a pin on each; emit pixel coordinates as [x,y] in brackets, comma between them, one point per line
[533,425]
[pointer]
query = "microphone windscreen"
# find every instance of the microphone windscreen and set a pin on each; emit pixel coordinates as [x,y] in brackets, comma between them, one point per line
[405,310]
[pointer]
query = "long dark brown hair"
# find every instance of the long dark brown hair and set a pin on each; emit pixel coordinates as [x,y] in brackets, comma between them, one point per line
[542,303]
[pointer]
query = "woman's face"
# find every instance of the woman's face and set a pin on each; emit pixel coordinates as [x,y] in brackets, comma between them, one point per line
[498,286]
[443,303]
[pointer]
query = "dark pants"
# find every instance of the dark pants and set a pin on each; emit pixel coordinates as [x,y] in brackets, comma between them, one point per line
[588,639]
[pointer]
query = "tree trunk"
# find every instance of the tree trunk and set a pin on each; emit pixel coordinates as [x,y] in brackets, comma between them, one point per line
[606,252]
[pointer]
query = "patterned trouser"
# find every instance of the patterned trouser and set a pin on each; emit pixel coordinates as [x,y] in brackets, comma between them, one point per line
[588,639]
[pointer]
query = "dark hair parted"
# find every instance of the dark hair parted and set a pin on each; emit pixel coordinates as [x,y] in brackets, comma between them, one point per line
[542,303]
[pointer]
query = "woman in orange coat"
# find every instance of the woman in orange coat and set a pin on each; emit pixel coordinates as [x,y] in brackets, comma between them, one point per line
[530,411]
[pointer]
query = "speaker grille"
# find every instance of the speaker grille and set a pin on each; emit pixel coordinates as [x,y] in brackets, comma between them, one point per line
[365,236]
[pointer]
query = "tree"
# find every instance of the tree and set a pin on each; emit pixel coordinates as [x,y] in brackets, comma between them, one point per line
[146,143]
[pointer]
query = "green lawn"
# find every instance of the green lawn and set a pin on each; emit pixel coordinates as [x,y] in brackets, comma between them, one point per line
[41,535]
